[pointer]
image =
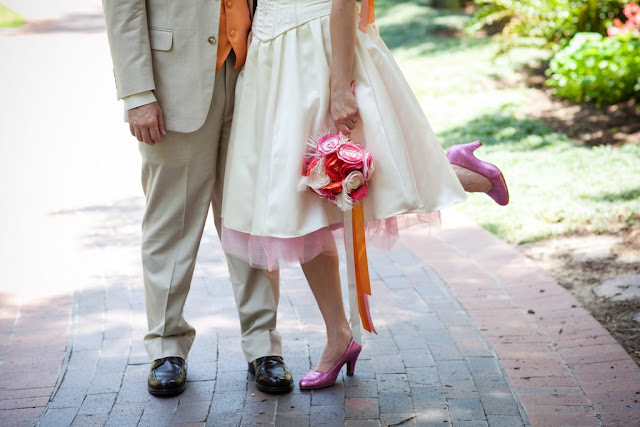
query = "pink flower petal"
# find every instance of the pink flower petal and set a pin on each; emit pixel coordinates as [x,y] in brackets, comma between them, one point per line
[359,193]
[328,144]
[351,153]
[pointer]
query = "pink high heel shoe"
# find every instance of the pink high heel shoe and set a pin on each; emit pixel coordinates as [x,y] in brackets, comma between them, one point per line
[462,155]
[313,380]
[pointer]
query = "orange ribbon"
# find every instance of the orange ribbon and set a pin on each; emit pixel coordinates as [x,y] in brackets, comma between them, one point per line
[367,14]
[363,283]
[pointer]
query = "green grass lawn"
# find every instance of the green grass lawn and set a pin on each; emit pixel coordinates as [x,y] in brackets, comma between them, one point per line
[9,18]
[556,186]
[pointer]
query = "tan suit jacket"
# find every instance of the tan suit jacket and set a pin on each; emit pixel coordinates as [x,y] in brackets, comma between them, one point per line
[170,48]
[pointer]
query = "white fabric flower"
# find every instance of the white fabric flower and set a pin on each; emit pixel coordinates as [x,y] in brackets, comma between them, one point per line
[318,177]
[354,180]
[344,201]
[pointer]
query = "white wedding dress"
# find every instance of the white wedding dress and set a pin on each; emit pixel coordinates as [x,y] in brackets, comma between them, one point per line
[282,99]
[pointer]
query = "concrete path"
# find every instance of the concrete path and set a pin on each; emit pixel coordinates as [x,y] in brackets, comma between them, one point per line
[471,332]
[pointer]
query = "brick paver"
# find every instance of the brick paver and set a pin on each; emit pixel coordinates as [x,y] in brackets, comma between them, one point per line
[437,360]
[471,332]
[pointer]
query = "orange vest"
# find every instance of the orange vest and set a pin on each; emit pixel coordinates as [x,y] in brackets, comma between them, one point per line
[235,24]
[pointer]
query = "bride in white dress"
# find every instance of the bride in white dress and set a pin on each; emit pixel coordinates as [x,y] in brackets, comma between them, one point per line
[297,83]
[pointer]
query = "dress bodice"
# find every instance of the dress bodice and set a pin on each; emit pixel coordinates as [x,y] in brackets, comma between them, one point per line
[275,17]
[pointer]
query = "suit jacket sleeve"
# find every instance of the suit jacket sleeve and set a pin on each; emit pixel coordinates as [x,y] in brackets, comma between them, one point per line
[128,34]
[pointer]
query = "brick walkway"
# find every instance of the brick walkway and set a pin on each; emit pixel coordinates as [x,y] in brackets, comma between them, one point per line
[472,333]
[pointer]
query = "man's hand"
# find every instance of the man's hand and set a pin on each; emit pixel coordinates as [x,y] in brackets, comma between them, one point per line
[146,124]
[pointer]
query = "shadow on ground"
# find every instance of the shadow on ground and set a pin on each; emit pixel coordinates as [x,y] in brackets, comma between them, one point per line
[432,30]
[502,127]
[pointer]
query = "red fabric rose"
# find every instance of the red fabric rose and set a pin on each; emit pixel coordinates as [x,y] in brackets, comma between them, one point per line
[333,188]
[333,165]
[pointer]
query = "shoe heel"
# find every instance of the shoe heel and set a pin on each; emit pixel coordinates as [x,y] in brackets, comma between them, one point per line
[471,147]
[475,144]
[351,367]
[461,154]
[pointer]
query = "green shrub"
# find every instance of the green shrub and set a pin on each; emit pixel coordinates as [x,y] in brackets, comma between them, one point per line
[547,23]
[604,70]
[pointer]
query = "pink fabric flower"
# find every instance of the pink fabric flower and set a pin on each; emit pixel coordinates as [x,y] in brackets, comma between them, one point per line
[359,193]
[368,165]
[329,143]
[351,152]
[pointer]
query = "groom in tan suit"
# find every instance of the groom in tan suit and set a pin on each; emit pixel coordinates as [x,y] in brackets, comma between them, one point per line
[176,64]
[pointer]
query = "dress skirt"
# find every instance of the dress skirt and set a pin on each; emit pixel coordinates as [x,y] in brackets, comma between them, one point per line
[282,100]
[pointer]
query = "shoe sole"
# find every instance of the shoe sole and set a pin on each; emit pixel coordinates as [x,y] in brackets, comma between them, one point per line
[274,390]
[167,393]
[316,388]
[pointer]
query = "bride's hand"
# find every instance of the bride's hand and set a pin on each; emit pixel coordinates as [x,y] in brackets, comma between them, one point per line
[344,110]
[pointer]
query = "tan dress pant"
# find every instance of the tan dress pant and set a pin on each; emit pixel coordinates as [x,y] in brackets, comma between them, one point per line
[182,176]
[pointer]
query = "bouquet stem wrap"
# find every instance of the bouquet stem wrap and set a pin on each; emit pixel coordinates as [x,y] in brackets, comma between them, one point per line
[357,271]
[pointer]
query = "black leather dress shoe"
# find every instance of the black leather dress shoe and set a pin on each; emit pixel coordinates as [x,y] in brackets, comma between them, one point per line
[168,376]
[272,375]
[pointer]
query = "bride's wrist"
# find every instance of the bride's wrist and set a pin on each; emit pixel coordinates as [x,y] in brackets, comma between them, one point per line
[340,87]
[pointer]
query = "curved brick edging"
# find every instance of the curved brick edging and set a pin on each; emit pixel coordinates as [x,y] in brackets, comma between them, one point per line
[564,367]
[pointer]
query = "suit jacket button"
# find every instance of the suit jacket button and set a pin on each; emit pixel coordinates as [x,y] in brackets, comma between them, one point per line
[212,40]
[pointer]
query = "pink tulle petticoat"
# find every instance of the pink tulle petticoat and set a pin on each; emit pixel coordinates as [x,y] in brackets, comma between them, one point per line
[270,253]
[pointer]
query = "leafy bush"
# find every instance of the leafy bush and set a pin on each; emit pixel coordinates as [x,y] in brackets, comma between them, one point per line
[604,70]
[545,23]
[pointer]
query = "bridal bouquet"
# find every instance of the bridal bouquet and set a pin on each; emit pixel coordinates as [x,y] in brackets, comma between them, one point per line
[338,170]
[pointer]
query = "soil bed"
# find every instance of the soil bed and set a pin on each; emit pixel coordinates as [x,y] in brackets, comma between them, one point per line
[581,262]
[616,124]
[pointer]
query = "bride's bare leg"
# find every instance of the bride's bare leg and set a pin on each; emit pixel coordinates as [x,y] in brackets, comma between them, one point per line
[324,279]
[472,182]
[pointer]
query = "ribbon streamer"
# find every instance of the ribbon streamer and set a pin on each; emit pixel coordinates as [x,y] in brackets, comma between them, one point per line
[367,14]
[351,276]
[358,269]
[363,284]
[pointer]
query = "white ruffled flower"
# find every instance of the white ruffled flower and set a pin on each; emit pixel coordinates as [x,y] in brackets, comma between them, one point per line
[318,177]
[344,201]
[354,180]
